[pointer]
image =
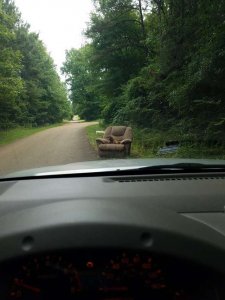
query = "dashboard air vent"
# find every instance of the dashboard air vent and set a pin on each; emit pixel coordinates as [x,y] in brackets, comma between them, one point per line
[163,178]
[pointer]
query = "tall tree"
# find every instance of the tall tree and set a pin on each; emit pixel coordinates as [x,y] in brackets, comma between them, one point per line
[44,96]
[30,88]
[82,83]
[119,51]
[11,84]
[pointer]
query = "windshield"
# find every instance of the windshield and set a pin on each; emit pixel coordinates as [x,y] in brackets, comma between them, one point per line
[85,82]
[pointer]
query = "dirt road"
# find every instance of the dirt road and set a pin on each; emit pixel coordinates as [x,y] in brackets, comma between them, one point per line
[60,145]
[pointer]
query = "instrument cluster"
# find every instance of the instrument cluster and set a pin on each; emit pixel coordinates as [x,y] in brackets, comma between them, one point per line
[107,275]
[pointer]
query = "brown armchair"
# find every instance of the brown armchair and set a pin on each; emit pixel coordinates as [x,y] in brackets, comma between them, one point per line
[116,142]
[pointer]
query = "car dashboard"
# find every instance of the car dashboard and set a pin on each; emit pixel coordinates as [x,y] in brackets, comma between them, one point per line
[113,237]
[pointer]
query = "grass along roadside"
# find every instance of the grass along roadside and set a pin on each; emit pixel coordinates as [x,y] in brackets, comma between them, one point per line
[11,135]
[146,144]
[91,133]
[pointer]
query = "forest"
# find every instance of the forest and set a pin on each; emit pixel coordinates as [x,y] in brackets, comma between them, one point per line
[31,92]
[155,64]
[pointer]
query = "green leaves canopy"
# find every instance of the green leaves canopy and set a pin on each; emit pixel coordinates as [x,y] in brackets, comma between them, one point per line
[30,89]
[82,82]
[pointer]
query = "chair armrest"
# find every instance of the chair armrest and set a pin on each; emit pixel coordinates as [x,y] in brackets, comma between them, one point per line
[126,141]
[102,141]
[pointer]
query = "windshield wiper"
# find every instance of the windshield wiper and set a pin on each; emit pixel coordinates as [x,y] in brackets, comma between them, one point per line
[186,167]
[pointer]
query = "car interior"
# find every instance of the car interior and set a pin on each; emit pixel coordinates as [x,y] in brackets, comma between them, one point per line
[113,236]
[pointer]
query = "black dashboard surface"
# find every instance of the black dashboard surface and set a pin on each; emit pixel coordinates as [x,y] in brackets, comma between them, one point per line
[184,193]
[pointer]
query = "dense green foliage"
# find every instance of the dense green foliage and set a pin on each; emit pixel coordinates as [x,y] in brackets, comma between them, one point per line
[30,89]
[157,64]
[82,83]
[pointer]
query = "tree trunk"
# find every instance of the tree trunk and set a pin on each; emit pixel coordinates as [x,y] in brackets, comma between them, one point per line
[142,18]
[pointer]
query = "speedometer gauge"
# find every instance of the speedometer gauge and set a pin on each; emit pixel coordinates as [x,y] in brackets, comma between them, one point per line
[46,277]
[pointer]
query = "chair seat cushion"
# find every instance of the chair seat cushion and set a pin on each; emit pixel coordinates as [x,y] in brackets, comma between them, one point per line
[111,147]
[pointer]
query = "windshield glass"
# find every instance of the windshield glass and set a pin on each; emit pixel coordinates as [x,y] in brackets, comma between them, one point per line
[84,82]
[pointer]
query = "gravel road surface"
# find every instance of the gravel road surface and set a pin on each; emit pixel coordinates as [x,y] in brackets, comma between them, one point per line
[59,145]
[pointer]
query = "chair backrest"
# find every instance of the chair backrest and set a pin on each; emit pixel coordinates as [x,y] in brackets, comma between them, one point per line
[119,133]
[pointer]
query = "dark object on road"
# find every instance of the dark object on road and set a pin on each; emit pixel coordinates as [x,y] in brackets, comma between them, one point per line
[116,142]
[170,147]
